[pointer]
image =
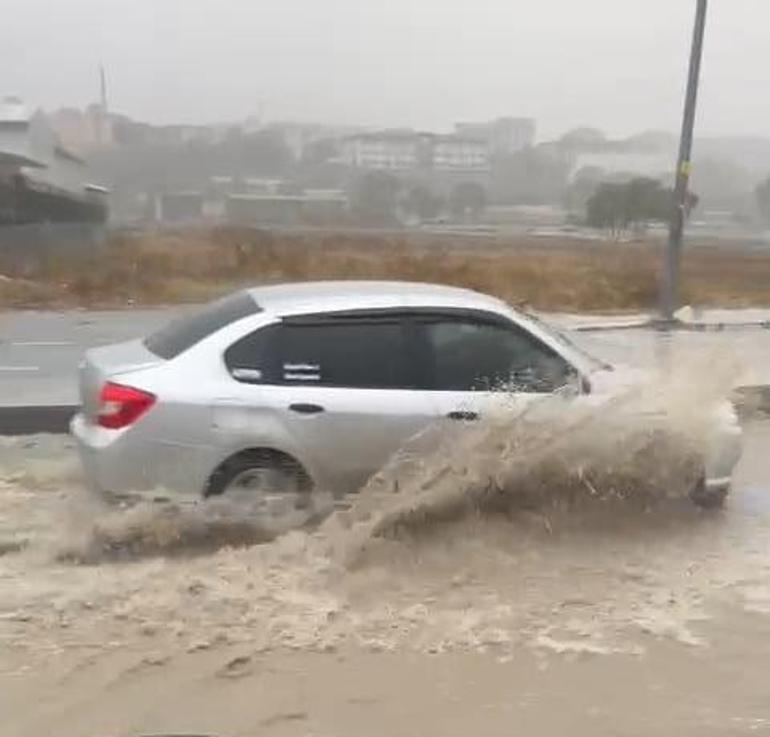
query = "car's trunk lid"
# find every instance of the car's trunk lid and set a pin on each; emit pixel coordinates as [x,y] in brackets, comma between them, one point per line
[106,363]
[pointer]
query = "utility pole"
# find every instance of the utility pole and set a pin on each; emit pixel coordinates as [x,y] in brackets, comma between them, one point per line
[669,296]
[103,133]
[102,87]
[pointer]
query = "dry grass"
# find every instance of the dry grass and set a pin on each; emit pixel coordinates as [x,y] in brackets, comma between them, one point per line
[546,273]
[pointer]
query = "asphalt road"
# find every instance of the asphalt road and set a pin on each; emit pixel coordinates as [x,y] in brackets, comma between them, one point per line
[40,351]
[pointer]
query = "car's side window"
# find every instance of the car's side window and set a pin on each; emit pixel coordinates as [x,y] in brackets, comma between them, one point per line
[253,359]
[468,354]
[366,354]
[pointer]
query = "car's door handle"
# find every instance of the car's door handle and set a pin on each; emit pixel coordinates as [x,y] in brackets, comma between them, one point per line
[461,415]
[306,409]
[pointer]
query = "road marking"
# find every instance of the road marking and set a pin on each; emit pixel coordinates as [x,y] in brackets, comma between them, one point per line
[43,343]
[19,368]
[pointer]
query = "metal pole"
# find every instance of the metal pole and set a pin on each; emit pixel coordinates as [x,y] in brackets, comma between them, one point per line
[669,297]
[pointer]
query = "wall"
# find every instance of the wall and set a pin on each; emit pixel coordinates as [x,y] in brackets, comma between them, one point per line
[25,247]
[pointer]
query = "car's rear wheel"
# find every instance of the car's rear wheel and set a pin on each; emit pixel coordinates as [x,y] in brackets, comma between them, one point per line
[707,497]
[268,487]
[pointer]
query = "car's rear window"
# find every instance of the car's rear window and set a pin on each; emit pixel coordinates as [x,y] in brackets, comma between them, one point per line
[185,332]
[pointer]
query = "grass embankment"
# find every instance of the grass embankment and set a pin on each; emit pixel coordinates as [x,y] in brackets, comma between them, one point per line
[546,273]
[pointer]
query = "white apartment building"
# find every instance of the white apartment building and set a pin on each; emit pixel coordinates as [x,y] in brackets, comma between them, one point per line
[459,153]
[387,150]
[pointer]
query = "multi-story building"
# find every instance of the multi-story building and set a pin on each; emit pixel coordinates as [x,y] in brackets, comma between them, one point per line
[299,136]
[390,150]
[502,135]
[454,153]
[406,151]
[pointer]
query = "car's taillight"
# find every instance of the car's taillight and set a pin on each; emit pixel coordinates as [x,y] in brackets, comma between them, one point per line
[120,406]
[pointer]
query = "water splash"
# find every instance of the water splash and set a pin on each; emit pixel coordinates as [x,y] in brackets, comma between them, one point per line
[566,528]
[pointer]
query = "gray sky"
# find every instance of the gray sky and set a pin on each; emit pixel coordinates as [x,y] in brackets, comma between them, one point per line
[617,64]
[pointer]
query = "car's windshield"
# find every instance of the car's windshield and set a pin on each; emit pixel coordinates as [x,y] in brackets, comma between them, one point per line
[561,337]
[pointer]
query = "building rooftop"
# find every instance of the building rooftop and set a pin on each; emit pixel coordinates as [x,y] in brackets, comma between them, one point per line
[14,111]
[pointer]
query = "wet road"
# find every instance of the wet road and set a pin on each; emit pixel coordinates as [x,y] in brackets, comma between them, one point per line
[40,351]
[652,625]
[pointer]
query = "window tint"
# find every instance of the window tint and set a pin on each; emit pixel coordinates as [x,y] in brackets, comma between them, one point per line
[253,358]
[469,355]
[181,334]
[360,354]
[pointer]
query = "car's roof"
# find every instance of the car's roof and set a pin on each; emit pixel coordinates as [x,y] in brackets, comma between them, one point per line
[330,296]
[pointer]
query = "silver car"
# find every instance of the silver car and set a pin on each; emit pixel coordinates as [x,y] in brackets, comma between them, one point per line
[315,385]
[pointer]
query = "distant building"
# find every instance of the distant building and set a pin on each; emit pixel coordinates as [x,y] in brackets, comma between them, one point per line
[313,208]
[405,151]
[40,179]
[623,164]
[296,136]
[179,207]
[502,135]
[389,150]
[455,153]
[299,136]
[83,130]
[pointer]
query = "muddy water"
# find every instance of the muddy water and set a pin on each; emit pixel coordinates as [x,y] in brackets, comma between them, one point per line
[524,573]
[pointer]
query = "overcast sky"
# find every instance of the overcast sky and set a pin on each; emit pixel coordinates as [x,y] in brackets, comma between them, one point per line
[616,64]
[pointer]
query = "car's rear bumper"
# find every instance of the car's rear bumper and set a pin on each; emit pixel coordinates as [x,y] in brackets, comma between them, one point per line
[723,453]
[718,485]
[711,493]
[119,465]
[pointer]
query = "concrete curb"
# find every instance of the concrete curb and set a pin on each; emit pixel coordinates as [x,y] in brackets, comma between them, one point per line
[36,419]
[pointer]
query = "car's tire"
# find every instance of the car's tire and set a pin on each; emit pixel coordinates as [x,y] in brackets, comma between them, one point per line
[265,484]
[706,498]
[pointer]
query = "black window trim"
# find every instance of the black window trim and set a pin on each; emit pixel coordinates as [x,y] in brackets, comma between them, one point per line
[417,350]
[358,317]
[272,362]
[424,316]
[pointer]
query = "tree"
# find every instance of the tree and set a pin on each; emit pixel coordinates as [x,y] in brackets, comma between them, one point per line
[762,195]
[722,183]
[582,187]
[468,199]
[421,202]
[532,176]
[319,152]
[375,197]
[583,137]
[618,206]
[607,208]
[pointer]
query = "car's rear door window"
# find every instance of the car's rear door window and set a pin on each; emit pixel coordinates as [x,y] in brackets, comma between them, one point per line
[468,354]
[183,333]
[253,359]
[367,353]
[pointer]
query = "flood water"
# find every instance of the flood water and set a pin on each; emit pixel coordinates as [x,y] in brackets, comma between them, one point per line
[550,573]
